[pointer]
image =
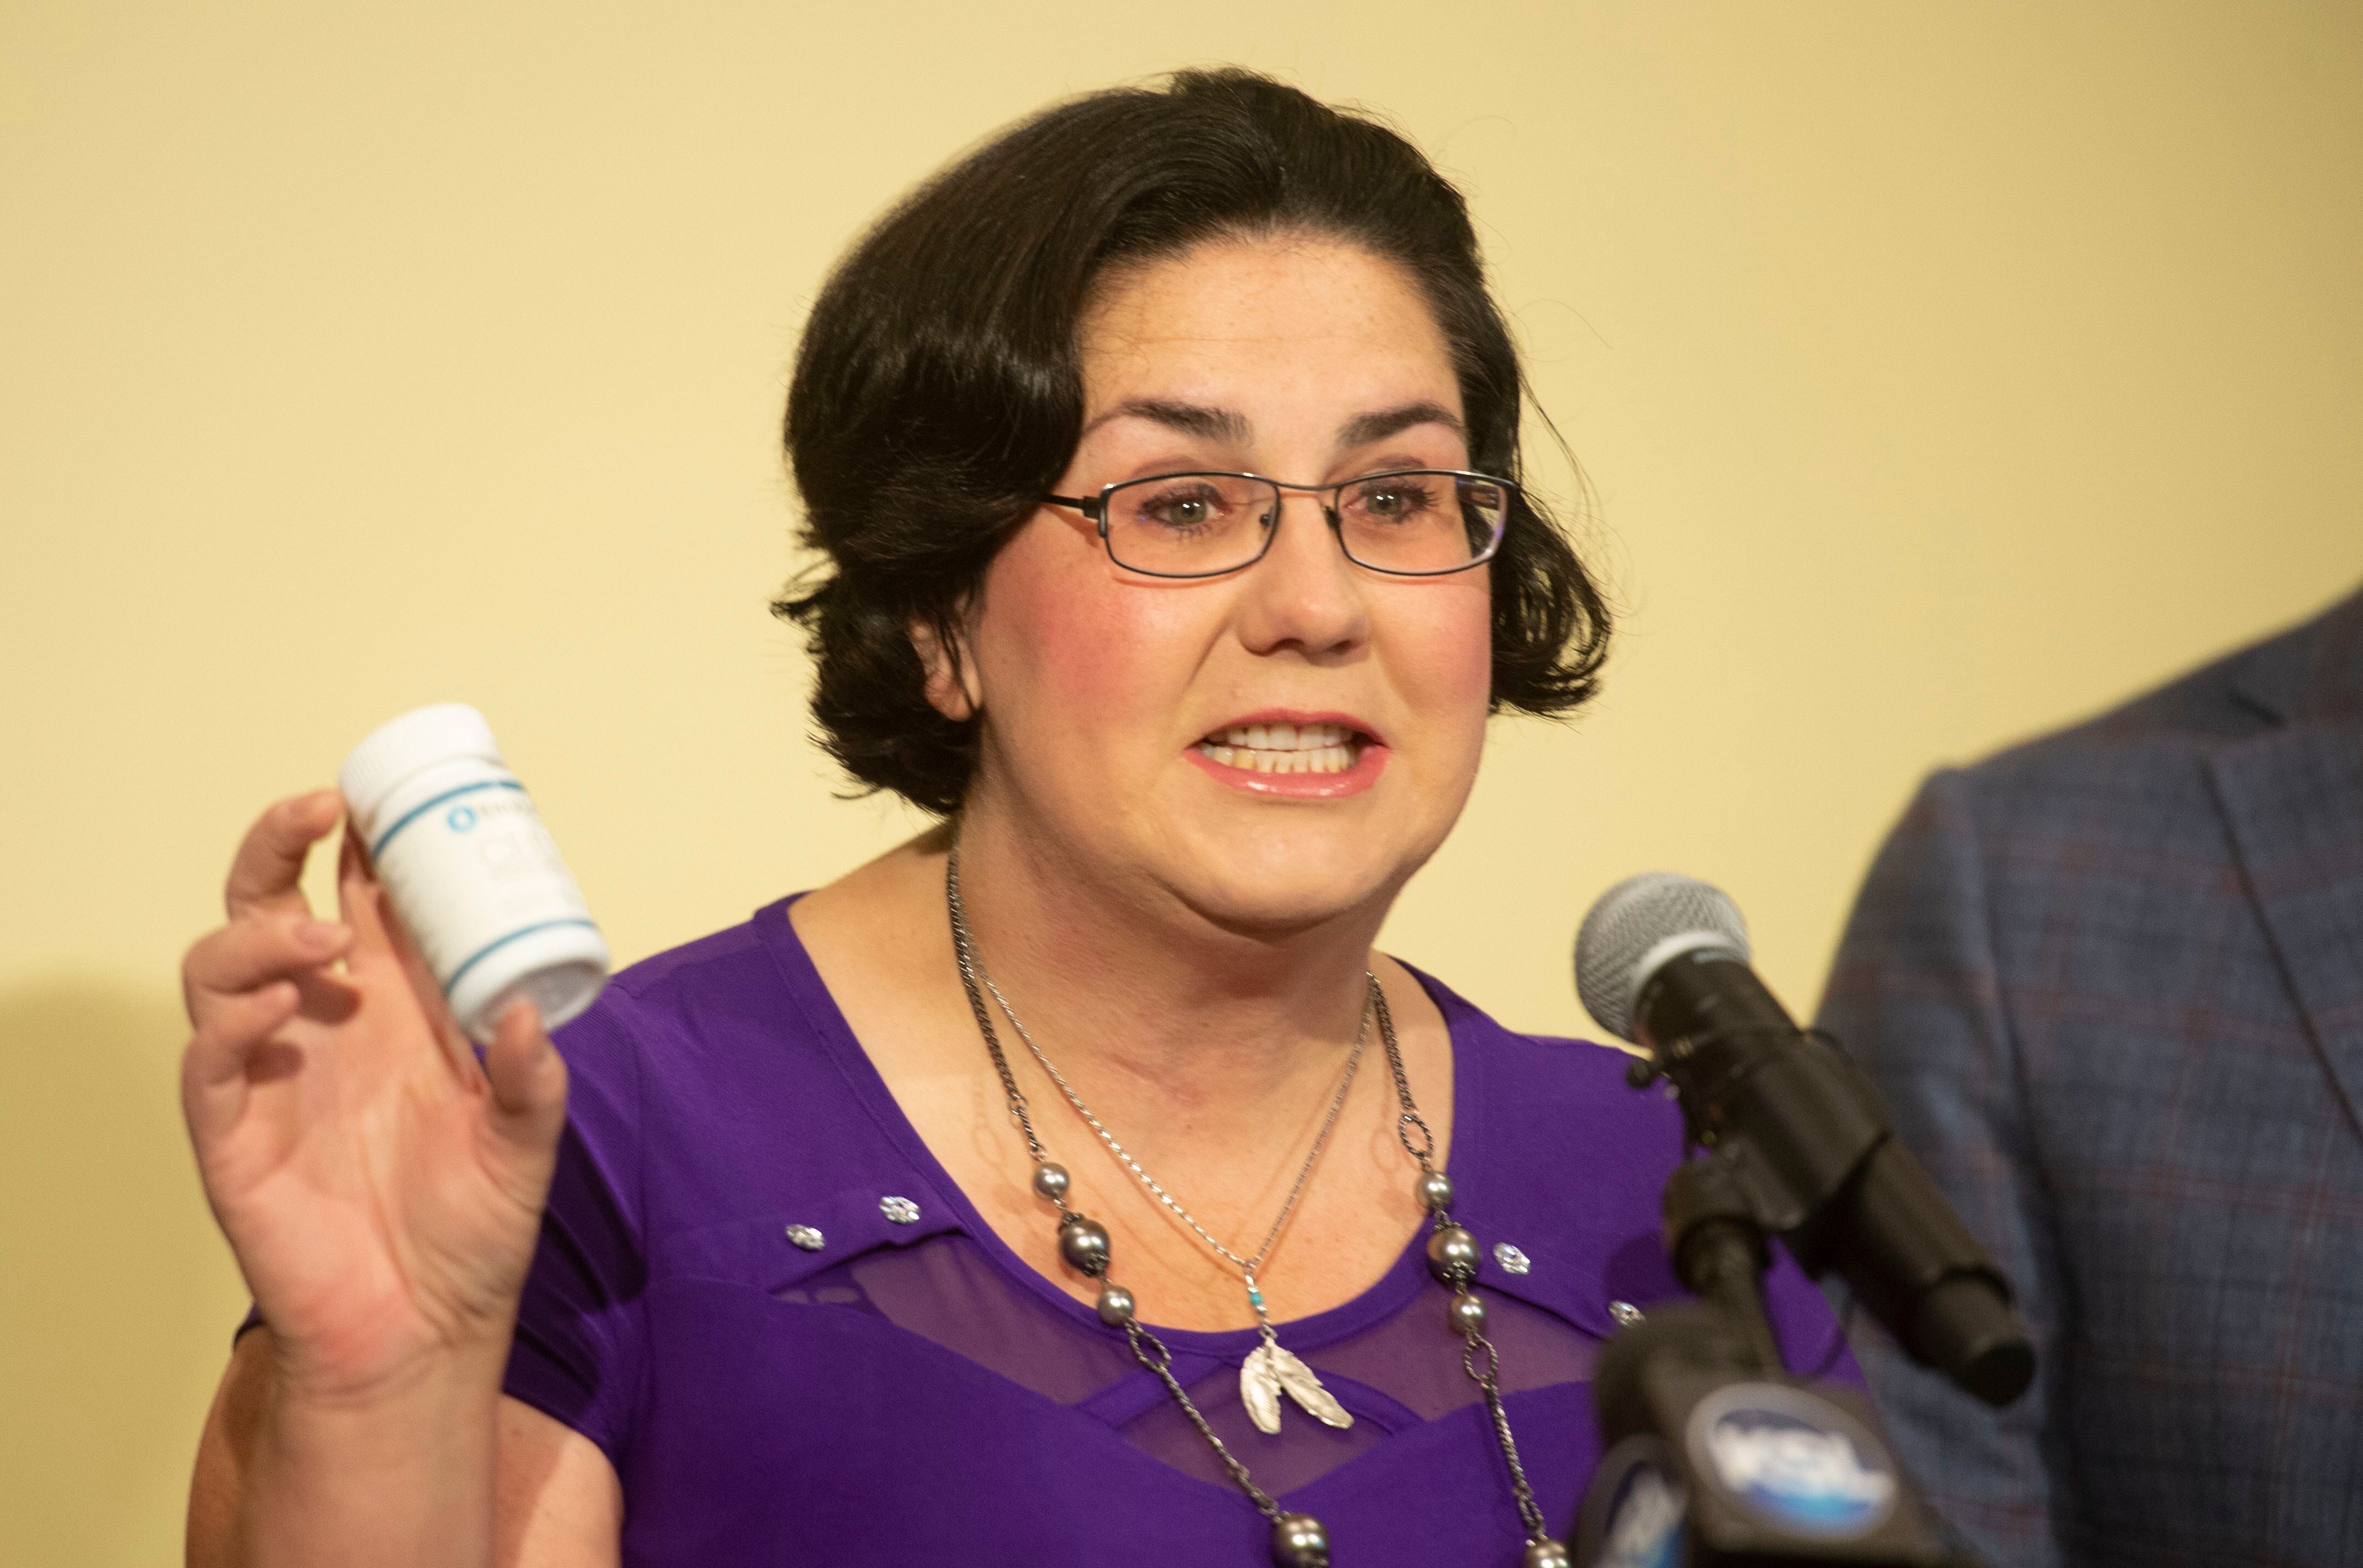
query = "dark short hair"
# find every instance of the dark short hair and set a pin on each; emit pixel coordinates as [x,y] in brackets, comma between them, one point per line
[938,397]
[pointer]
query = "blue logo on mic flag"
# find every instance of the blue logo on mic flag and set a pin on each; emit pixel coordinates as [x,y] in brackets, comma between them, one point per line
[1796,1461]
[460,819]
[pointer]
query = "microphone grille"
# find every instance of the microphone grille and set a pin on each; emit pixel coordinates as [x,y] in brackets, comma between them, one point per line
[1636,927]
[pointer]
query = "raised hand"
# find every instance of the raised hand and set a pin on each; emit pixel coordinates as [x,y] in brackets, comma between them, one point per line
[381,1189]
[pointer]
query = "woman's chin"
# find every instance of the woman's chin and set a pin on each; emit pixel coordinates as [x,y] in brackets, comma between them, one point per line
[1276,888]
[1267,912]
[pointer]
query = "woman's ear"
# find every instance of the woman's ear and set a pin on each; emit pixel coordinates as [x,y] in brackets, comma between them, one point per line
[953,688]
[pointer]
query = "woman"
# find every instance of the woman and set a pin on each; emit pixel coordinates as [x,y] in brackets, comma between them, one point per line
[1073,1182]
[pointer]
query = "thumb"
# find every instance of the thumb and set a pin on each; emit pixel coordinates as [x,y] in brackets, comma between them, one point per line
[528,1083]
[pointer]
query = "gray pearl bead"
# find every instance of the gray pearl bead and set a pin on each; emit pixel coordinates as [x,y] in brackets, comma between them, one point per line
[1548,1553]
[1050,1181]
[1435,1190]
[1452,1255]
[1467,1313]
[1298,1541]
[1115,1305]
[1085,1245]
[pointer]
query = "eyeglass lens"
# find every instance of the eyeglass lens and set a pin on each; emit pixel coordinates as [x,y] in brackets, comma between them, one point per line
[1200,525]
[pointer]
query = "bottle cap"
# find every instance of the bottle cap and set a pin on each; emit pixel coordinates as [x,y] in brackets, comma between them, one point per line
[400,747]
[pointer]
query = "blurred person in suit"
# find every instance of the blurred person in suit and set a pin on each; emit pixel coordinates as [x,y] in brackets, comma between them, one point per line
[2111,984]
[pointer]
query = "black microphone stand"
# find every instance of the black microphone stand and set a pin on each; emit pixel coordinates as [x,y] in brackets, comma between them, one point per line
[1714,1453]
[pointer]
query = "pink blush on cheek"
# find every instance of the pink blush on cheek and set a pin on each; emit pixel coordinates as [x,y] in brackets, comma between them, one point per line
[1440,649]
[1064,637]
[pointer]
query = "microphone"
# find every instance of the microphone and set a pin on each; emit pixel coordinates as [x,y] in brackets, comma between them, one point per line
[1662,961]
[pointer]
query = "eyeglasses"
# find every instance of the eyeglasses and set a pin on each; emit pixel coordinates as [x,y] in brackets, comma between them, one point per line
[1411,522]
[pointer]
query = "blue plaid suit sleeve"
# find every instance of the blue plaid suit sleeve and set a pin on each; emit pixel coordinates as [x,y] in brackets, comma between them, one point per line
[1915,997]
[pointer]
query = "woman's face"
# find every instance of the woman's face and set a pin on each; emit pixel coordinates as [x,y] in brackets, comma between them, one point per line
[1144,725]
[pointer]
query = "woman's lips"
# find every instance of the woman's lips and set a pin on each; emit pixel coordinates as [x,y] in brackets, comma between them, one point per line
[1310,762]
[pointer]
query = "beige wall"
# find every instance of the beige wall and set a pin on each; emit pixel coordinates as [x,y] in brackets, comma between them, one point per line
[1942,373]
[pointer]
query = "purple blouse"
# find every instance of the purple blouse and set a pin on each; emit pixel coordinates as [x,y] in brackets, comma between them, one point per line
[796,1341]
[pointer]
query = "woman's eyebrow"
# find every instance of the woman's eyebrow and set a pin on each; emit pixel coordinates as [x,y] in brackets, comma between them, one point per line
[1228,424]
[1364,428]
[1190,418]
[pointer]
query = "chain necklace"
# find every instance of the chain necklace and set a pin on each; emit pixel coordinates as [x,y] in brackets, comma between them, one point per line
[1298,1541]
[1270,1368]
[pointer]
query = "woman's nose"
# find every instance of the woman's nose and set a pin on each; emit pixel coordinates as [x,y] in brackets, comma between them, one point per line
[1303,592]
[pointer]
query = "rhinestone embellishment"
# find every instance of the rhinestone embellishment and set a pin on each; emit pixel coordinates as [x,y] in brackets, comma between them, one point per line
[1625,1313]
[901,1210]
[804,1236]
[1510,1259]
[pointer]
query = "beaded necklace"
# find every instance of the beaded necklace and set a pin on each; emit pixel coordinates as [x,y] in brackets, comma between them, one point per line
[1272,1368]
[1298,1541]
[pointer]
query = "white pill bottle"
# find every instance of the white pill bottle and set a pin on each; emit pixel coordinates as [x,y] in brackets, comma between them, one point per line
[470,870]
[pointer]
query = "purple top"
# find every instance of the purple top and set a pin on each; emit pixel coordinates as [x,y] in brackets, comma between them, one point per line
[908,1390]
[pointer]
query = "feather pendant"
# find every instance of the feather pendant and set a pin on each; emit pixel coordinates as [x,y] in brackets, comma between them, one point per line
[1260,1389]
[1305,1388]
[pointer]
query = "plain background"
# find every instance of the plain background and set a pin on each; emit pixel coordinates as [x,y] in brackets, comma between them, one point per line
[1940,375]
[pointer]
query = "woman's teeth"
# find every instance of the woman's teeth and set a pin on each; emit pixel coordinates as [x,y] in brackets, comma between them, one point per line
[1283,748]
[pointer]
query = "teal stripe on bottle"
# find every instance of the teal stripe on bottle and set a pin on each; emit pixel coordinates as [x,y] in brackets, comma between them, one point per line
[415,812]
[499,943]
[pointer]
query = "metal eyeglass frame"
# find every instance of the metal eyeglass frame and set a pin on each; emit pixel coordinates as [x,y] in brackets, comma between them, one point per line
[1094,511]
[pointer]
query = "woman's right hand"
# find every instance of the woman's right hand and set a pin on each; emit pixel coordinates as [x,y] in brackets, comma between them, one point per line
[381,1189]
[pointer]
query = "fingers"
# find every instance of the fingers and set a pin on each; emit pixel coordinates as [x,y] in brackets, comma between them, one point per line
[242,985]
[214,1067]
[528,1080]
[252,952]
[358,903]
[381,945]
[265,873]
[378,934]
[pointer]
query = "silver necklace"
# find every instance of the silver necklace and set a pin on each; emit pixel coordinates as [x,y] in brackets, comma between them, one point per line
[1270,1368]
[1298,1541]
